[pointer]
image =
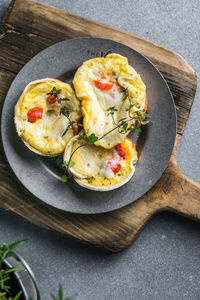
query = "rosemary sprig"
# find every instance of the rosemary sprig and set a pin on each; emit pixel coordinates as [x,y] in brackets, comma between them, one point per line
[6,274]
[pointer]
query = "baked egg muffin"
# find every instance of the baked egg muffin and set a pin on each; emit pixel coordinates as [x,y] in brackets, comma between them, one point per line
[46,116]
[100,169]
[110,91]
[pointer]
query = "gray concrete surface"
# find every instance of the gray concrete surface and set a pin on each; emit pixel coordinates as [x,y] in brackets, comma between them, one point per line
[164,262]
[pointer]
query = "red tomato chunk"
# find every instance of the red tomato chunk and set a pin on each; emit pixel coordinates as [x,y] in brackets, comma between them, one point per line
[34,114]
[103,84]
[114,163]
[121,150]
[52,99]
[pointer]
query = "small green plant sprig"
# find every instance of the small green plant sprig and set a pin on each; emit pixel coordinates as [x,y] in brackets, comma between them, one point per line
[54,92]
[64,111]
[6,274]
[123,126]
[60,295]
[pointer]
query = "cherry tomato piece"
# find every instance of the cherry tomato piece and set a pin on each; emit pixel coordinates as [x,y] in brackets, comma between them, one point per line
[114,163]
[51,99]
[121,150]
[34,114]
[103,84]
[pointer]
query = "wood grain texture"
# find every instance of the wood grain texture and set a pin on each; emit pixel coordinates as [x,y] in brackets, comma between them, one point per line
[30,27]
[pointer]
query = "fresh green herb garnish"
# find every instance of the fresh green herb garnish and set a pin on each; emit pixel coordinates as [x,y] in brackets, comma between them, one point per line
[92,138]
[54,92]
[65,177]
[64,111]
[81,137]
[138,129]
[64,99]
[64,164]
[71,164]
[125,94]
[146,115]
[133,121]
[144,122]
[111,110]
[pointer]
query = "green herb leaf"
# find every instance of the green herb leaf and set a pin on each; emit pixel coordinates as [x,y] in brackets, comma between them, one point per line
[13,270]
[125,125]
[138,129]
[71,164]
[111,110]
[54,92]
[17,244]
[122,131]
[17,296]
[64,164]
[64,178]
[81,137]
[65,99]
[146,115]
[64,110]
[123,119]
[137,112]
[126,94]
[144,122]
[92,138]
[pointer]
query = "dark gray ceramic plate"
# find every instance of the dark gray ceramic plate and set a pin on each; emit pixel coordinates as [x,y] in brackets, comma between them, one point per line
[41,175]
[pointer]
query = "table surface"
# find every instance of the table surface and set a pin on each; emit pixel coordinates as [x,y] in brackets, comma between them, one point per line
[164,261]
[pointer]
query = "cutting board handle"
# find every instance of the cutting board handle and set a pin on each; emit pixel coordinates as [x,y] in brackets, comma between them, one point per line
[183,190]
[173,192]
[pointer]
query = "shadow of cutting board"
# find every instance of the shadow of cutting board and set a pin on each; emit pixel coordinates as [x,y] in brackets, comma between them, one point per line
[30,27]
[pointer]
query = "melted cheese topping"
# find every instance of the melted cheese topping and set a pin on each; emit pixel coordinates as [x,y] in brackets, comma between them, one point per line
[44,136]
[95,101]
[91,170]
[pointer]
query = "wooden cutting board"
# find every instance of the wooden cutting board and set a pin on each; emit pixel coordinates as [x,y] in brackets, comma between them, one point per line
[30,27]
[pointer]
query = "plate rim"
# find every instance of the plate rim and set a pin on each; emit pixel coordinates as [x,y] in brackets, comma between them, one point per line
[172,144]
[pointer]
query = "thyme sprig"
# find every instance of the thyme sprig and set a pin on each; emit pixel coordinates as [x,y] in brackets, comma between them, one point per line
[125,94]
[124,125]
[54,92]
[64,111]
